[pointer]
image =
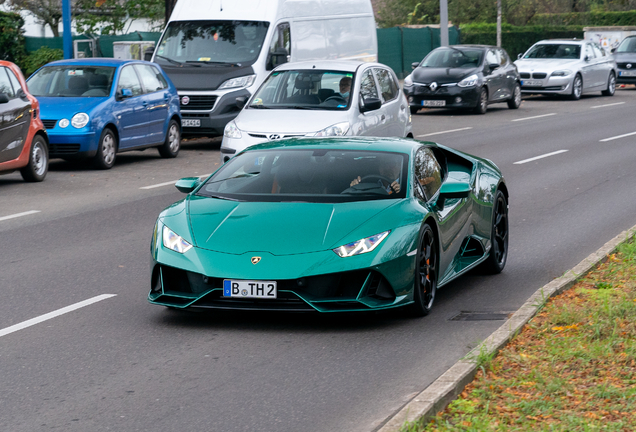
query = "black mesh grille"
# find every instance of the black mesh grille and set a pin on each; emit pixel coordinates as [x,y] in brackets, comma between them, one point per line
[49,124]
[524,75]
[539,75]
[63,149]
[199,103]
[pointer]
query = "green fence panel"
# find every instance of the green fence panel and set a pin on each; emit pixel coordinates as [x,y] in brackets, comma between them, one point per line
[416,43]
[104,42]
[390,48]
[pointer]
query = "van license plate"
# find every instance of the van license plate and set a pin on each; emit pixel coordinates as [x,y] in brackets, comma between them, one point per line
[191,122]
[249,289]
[433,103]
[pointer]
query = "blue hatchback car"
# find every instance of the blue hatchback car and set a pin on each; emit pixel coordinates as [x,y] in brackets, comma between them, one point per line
[96,107]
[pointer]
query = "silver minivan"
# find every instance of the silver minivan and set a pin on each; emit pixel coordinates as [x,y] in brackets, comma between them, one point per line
[321,99]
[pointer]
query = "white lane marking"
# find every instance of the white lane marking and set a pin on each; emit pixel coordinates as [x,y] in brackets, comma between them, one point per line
[413,252]
[443,132]
[617,137]
[50,315]
[534,117]
[168,183]
[26,213]
[540,157]
[612,104]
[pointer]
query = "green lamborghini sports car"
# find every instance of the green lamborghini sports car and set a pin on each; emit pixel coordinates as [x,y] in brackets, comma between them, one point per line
[330,225]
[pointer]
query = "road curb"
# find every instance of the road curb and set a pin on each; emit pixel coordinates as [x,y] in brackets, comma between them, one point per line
[451,383]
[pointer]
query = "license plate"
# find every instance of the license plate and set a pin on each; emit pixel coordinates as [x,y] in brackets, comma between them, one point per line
[249,289]
[626,73]
[433,103]
[191,122]
[531,83]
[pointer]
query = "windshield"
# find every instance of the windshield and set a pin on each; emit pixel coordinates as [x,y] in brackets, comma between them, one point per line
[453,58]
[72,81]
[211,42]
[554,51]
[316,175]
[305,89]
[628,45]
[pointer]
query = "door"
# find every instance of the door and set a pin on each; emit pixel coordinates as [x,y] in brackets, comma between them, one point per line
[603,67]
[493,75]
[508,73]
[589,68]
[131,112]
[15,118]
[369,123]
[157,97]
[394,107]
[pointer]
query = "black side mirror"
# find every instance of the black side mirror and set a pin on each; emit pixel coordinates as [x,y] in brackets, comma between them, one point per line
[148,52]
[4,98]
[587,58]
[276,58]
[613,50]
[493,66]
[414,65]
[22,95]
[241,101]
[370,104]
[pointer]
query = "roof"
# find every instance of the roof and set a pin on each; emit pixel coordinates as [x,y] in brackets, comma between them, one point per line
[340,65]
[92,61]
[397,145]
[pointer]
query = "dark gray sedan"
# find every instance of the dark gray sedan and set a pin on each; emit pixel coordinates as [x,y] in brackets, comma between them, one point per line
[625,56]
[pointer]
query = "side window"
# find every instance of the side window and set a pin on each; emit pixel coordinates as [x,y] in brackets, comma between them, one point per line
[5,83]
[387,85]
[503,58]
[14,81]
[491,57]
[128,80]
[598,51]
[280,39]
[150,78]
[367,85]
[589,52]
[428,172]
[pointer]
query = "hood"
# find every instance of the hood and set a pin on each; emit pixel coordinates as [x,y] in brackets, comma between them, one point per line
[278,228]
[544,65]
[441,75]
[626,57]
[67,107]
[289,121]
[203,77]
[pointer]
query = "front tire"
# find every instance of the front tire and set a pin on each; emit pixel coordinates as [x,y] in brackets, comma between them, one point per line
[577,88]
[38,164]
[482,104]
[496,261]
[515,100]
[106,150]
[426,270]
[611,85]
[170,148]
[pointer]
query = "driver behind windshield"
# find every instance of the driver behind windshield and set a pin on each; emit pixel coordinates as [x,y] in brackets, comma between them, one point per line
[389,178]
[345,88]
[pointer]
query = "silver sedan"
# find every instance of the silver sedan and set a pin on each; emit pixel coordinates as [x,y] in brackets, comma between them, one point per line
[566,67]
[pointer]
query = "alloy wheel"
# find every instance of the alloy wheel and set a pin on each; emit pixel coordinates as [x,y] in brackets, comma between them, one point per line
[173,138]
[108,148]
[427,265]
[39,159]
[500,228]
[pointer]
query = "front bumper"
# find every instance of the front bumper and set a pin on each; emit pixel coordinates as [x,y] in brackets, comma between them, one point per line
[212,120]
[233,146]
[626,76]
[452,95]
[548,85]
[72,144]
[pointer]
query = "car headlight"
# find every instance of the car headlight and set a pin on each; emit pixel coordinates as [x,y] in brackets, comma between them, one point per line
[338,129]
[244,81]
[361,246]
[80,120]
[232,131]
[174,242]
[408,81]
[561,73]
[468,81]
[64,123]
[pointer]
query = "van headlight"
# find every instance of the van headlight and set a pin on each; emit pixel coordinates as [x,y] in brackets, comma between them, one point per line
[175,242]
[232,131]
[80,120]
[468,81]
[361,246]
[244,81]
[338,129]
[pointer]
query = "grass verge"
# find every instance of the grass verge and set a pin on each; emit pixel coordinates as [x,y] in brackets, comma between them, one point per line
[572,368]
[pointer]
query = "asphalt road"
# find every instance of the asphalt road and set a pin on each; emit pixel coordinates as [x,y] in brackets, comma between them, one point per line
[121,364]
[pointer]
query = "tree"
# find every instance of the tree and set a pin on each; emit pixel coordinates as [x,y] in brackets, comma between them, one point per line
[47,12]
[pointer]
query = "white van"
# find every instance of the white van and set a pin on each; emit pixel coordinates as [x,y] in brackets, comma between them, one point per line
[216,51]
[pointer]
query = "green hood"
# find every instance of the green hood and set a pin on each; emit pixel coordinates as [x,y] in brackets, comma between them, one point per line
[279,228]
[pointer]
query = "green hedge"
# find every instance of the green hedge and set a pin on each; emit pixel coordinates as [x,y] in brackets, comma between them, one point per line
[516,40]
[11,37]
[598,19]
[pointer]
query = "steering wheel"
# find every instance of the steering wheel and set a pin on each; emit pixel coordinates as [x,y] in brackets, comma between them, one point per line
[336,98]
[375,176]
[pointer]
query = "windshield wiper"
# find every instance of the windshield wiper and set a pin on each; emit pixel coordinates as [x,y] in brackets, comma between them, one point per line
[212,62]
[302,107]
[169,59]
[260,107]
[235,177]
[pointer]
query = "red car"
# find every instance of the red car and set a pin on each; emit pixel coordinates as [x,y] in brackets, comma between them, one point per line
[23,138]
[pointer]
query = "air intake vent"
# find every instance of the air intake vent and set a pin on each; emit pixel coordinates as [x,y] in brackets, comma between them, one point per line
[49,124]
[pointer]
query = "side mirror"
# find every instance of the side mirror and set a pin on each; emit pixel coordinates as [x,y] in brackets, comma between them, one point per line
[187,184]
[241,101]
[123,94]
[414,65]
[22,95]
[370,104]
[519,56]
[276,58]
[613,50]
[148,52]
[587,58]
[4,98]
[452,190]
[493,66]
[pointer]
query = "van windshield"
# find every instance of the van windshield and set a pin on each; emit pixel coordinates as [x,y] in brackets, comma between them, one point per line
[211,42]
[305,89]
